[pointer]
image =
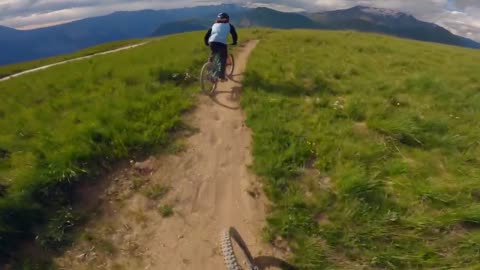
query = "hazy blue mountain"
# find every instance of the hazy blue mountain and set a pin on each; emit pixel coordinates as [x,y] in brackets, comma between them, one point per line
[241,18]
[275,19]
[6,30]
[26,45]
[182,26]
[389,22]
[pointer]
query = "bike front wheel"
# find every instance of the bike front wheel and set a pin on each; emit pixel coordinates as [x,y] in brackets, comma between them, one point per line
[235,251]
[208,80]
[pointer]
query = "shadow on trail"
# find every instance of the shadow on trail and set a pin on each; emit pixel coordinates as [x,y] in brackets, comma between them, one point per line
[233,78]
[233,96]
[287,87]
[266,262]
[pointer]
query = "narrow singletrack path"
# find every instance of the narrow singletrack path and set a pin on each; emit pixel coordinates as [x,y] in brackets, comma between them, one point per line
[211,189]
[211,181]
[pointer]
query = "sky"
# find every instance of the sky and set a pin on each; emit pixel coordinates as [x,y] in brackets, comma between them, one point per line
[462,17]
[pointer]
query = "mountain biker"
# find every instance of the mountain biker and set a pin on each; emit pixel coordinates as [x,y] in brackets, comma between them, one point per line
[216,38]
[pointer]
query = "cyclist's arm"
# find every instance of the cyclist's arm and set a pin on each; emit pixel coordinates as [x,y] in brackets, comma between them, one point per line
[233,31]
[207,36]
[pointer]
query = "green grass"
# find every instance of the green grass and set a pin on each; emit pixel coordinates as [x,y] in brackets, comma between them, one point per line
[68,122]
[99,243]
[156,192]
[369,147]
[8,70]
[368,144]
[166,210]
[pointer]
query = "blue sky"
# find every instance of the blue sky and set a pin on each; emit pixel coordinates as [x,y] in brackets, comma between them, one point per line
[459,16]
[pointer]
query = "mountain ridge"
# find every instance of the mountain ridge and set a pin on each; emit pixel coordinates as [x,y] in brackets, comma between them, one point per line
[25,45]
[386,21]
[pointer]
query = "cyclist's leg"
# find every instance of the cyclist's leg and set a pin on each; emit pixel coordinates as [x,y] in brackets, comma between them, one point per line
[215,58]
[223,51]
[213,51]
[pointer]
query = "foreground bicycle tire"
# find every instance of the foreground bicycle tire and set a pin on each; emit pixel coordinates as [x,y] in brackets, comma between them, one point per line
[207,79]
[229,238]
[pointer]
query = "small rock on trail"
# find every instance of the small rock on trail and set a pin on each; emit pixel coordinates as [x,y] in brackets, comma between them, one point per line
[147,166]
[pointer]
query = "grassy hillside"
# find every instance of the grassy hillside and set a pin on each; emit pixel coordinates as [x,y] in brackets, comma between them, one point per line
[369,147]
[7,70]
[66,122]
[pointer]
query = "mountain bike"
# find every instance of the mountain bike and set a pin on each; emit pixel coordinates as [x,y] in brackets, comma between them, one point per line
[235,251]
[210,74]
[237,256]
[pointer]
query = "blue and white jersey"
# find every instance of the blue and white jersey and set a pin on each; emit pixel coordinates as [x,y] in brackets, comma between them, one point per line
[220,32]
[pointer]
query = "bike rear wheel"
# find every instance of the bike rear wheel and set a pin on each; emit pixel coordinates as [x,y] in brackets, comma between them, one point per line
[235,252]
[208,80]
[230,65]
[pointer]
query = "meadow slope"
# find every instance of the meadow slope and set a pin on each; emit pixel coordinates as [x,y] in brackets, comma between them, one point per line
[72,121]
[369,146]
[7,70]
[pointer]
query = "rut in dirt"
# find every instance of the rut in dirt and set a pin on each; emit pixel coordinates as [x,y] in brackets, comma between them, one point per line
[211,189]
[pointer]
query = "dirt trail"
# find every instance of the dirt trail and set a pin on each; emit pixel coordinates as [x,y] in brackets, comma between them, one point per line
[70,60]
[211,189]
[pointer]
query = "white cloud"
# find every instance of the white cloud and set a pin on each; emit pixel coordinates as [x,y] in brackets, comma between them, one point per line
[465,22]
[279,7]
[460,16]
[28,13]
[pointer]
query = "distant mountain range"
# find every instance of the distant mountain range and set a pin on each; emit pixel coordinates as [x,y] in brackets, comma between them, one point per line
[181,27]
[264,17]
[27,45]
[389,22]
